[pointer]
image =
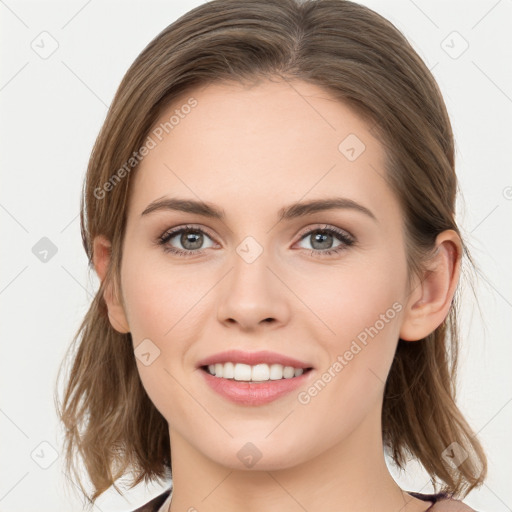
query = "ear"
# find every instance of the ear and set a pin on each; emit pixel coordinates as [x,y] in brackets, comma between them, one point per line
[101,260]
[431,298]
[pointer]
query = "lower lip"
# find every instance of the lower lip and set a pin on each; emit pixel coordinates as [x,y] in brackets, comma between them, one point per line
[254,393]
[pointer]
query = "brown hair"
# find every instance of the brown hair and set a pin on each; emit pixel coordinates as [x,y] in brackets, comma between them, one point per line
[363,60]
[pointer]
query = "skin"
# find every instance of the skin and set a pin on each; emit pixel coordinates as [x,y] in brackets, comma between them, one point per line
[251,151]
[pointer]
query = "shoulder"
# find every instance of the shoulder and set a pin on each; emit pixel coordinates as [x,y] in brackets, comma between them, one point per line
[155,503]
[443,502]
[450,505]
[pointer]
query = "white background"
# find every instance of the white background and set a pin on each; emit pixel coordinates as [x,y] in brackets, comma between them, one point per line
[51,112]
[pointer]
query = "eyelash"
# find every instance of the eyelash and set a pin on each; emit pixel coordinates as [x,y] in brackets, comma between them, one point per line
[343,236]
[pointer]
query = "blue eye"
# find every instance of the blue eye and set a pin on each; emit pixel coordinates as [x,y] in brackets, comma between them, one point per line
[192,239]
[323,238]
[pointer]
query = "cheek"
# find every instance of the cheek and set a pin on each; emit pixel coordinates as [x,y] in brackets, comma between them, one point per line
[159,298]
[350,386]
[162,304]
[353,296]
[362,306]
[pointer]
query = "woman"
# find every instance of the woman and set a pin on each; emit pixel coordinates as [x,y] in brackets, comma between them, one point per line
[270,209]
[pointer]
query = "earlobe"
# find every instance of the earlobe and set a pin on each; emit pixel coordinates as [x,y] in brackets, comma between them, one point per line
[430,300]
[101,260]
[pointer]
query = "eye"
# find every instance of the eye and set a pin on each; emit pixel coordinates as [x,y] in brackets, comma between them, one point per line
[192,239]
[189,237]
[322,240]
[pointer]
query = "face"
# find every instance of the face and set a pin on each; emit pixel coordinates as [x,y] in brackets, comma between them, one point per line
[322,286]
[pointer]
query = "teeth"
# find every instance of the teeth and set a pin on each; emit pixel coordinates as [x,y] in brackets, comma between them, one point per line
[256,373]
[228,372]
[260,372]
[288,372]
[242,372]
[276,371]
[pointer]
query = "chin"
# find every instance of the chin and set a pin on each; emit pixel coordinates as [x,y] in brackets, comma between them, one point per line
[260,454]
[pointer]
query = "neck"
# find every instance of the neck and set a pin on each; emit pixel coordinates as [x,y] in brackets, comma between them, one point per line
[350,476]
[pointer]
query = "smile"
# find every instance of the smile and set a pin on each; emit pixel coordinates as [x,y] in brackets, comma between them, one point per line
[256,373]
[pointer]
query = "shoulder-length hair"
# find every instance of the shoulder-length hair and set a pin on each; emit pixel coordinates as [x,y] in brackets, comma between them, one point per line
[365,62]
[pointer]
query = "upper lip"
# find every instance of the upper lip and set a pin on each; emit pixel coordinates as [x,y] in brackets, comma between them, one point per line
[253,358]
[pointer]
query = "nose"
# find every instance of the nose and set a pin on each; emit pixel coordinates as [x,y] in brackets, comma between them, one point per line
[253,294]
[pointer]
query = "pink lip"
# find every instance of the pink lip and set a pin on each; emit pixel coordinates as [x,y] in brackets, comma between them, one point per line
[254,393]
[253,358]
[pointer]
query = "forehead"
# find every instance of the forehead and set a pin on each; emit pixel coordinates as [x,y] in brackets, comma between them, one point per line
[269,142]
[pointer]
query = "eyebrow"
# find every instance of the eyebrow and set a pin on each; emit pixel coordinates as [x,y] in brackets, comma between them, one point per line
[292,211]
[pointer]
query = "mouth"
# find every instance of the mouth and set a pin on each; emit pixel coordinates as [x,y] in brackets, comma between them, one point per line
[243,388]
[254,378]
[262,372]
